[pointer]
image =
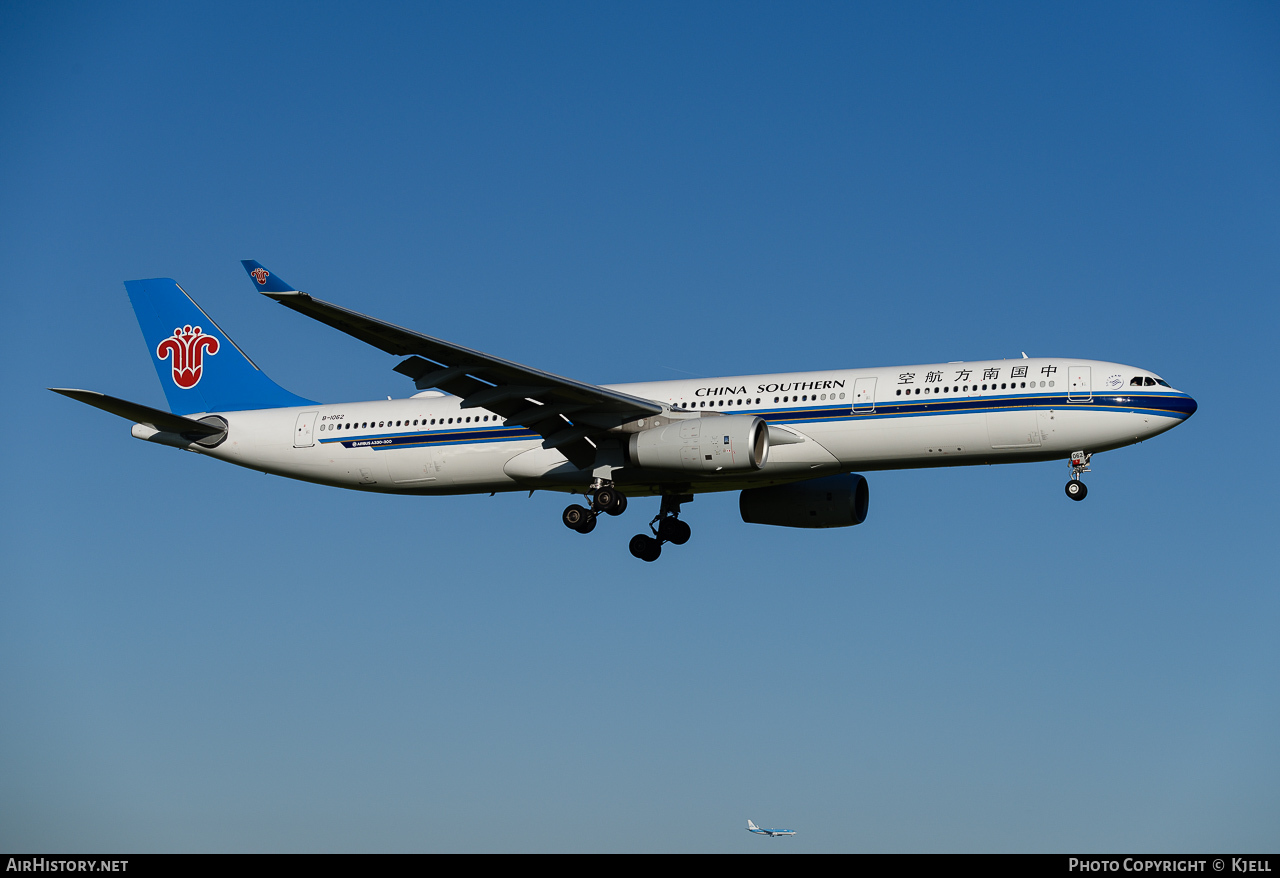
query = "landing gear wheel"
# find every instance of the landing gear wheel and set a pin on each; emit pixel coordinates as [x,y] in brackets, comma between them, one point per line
[605,499]
[645,547]
[579,518]
[673,530]
[1076,489]
[619,506]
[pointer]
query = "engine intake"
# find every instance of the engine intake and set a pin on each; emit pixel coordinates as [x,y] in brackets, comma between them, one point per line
[831,501]
[728,444]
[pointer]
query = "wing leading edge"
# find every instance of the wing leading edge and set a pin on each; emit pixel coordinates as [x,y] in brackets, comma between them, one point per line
[566,413]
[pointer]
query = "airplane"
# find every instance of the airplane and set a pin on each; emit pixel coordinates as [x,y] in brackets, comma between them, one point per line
[793,444]
[772,833]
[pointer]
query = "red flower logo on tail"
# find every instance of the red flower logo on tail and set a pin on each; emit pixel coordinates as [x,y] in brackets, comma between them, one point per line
[186,349]
[260,275]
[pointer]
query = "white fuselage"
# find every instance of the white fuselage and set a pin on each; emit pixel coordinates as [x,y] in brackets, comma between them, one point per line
[826,422]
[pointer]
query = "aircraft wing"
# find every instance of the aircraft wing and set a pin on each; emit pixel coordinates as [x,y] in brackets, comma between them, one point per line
[565,412]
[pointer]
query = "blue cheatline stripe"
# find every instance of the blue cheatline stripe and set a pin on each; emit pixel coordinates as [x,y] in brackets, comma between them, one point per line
[440,437]
[1160,405]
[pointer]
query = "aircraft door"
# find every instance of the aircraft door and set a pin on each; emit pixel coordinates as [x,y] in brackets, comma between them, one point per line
[304,430]
[864,395]
[1079,384]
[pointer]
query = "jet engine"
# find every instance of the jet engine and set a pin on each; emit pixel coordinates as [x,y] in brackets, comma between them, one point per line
[831,501]
[727,444]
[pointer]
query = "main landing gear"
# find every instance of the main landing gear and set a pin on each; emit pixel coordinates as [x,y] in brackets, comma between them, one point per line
[669,529]
[604,498]
[1076,489]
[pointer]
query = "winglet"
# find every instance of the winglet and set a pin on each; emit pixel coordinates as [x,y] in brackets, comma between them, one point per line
[265,281]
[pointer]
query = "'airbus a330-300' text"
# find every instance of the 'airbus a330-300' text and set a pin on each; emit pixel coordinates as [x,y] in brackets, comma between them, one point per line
[789,443]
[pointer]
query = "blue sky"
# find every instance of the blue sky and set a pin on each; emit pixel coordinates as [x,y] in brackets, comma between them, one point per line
[195,657]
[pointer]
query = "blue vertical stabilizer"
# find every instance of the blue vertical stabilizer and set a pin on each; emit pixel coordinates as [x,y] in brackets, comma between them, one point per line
[201,369]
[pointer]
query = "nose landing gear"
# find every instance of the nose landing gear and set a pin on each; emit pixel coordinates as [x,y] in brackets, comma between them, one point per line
[1076,488]
[669,529]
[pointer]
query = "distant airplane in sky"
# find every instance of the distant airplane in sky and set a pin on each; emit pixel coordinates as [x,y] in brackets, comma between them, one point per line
[772,833]
[480,424]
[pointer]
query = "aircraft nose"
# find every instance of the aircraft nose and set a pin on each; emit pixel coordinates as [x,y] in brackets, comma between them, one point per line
[1191,406]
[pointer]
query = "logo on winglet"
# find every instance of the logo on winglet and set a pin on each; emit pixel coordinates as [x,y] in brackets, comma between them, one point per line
[185,350]
[260,275]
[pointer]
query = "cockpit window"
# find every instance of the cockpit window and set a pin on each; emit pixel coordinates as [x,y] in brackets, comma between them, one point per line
[1135,381]
[1163,383]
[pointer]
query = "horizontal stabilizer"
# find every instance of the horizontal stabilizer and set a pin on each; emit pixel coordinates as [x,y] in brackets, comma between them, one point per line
[140,414]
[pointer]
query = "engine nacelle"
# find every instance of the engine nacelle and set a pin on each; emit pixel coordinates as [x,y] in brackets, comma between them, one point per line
[831,501]
[727,444]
